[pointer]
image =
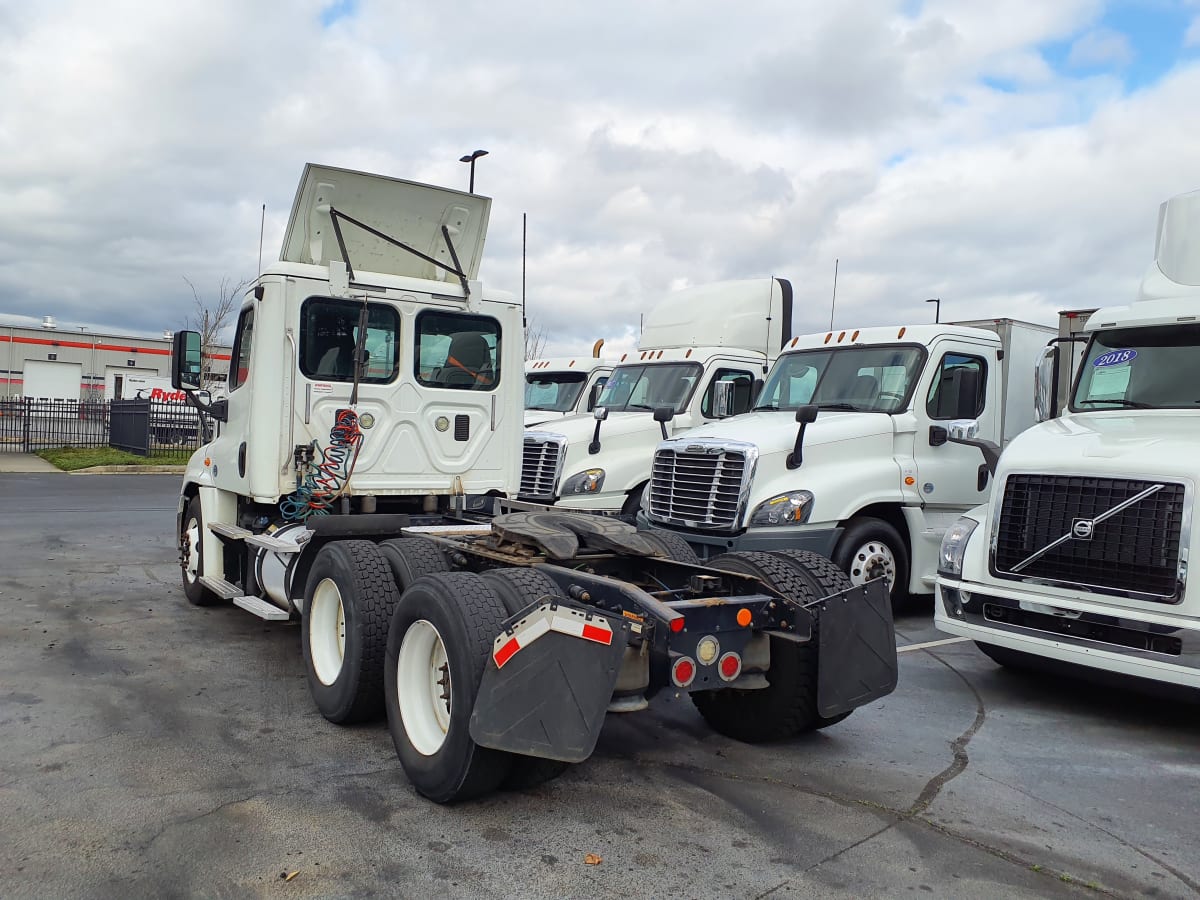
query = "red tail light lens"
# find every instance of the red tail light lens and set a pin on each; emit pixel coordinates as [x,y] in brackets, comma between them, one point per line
[730,666]
[683,672]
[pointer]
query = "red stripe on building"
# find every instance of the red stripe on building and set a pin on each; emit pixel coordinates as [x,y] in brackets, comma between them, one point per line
[120,348]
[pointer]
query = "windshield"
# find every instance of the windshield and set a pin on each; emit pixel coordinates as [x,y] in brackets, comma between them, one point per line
[1140,368]
[556,391]
[651,386]
[862,379]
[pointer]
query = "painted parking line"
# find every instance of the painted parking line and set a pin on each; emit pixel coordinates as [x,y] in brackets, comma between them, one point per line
[928,644]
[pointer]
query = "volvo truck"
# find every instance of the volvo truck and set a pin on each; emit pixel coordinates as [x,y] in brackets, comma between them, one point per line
[1081,553]
[373,413]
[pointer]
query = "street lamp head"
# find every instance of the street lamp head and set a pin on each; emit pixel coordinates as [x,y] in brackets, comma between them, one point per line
[471,157]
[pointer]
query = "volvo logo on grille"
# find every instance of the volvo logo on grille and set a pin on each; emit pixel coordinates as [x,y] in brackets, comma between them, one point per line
[701,448]
[1082,529]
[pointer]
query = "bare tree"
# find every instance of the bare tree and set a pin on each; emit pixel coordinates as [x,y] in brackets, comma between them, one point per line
[535,340]
[212,316]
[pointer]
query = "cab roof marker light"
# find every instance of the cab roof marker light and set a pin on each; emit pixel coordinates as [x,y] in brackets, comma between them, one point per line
[854,337]
[794,340]
[901,333]
[840,336]
[828,336]
[688,354]
[571,363]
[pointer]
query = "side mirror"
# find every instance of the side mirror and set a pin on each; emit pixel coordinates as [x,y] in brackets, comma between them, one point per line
[594,395]
[1045,384]
[600,413]
[663,415]
[805,415]
[722,399]
[186,361]
[962,430]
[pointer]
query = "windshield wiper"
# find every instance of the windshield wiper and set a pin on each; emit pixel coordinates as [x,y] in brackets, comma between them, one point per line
[850,407]
[1123,404]
[770,406]
[638,406]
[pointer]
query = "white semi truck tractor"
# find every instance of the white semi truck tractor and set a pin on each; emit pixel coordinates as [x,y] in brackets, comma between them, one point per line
[846,453]
[561,386]
[374,409]
[1081,553]
[702,354]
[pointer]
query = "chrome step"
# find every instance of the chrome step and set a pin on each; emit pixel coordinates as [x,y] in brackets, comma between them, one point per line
[273,544]
[220,587]
[233,532]
[261,608]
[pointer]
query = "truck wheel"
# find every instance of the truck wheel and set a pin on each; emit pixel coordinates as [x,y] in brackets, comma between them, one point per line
[1007,657]
[788,705]
[412,557]
[672,546]
[348,603]
[518,589]
[871,548]
[439,643]
[191,556]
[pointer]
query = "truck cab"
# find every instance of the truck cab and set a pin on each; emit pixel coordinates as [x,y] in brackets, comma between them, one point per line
[558,387]
[847,451]
[701,357]
[1081,553]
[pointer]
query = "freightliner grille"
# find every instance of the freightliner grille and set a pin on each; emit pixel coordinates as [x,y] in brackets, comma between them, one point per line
[1132,552]
[698,486]
[541,465]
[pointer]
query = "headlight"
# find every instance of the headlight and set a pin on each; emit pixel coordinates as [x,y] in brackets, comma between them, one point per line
[954,547]
[791,508]
[586,482]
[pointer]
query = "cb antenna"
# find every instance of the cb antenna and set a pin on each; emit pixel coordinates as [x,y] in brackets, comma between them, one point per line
[524,322]
[833,305]
[262,225]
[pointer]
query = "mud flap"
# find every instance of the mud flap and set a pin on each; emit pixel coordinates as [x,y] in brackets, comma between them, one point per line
[548,697]
[856,661]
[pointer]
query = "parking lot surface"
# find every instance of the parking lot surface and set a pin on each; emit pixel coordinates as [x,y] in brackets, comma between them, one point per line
[152,748]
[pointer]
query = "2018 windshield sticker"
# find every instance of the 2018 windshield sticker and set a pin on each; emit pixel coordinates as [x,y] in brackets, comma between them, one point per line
[1114,358]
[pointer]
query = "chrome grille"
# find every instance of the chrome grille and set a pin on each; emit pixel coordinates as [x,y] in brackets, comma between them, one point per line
[1130,552]
[700,485]
[541,465]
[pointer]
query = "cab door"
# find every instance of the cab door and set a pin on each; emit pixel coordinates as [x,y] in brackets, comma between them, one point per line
[962,382]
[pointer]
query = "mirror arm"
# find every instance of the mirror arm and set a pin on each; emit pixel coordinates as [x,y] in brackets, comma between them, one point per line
[990,451]
[594,446]
[796,457]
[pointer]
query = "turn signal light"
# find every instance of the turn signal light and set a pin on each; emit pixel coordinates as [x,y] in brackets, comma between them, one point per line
[744,617]
[683,673]
[677,624]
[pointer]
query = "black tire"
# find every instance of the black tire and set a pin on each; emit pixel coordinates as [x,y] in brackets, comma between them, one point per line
[196,593]
[1007,657]
[788,706]
[672,546]
[849,556]
[412,557]
[467,617]
[518,589]
[368,595]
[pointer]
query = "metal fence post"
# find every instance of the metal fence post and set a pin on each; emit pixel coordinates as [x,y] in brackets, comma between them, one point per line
[25,404]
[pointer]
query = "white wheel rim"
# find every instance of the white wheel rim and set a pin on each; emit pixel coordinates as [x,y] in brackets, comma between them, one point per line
[192,566]
[870,561]
[423,687]
[327,631]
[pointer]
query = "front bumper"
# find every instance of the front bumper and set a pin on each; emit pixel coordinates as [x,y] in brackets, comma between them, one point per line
[1158,648]
[820,540]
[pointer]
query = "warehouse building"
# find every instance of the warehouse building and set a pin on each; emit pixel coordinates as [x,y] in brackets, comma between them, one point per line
[47,363]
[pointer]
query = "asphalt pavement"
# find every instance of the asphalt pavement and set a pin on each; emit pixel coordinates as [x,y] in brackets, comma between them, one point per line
[152,748]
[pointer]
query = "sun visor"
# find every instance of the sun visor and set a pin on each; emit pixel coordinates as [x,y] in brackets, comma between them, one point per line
[405,211]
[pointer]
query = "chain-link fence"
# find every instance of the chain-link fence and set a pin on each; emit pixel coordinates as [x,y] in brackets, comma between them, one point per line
[142,427]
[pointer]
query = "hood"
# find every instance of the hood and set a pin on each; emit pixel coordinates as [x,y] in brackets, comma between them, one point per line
[537,416]
[403,210]
[775,431]
[1119,443]
[579,429]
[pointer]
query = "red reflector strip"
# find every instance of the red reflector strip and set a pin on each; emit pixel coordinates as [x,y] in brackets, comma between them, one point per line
[599,635]
[507,652]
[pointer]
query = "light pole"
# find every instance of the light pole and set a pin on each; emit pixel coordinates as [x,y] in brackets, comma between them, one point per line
[470,158]
[937,310]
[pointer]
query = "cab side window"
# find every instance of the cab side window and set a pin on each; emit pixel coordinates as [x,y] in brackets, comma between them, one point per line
[959,388]
[743,388]
[239,371]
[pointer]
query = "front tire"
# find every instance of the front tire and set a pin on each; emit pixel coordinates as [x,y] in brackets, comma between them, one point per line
[438,646]
[348,604]
[191,556]
[871,548]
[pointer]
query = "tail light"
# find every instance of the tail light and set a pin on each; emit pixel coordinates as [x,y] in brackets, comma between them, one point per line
[683,671]
[730,666]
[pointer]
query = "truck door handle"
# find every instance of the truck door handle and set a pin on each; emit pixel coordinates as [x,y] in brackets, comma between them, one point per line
[938,435]
[242,460]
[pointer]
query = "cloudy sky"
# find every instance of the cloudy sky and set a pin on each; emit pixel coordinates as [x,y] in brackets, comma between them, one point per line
[1006,157]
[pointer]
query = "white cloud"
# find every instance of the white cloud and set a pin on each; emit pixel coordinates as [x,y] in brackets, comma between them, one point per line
[933,153]
[1191,37]
[1100,47]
